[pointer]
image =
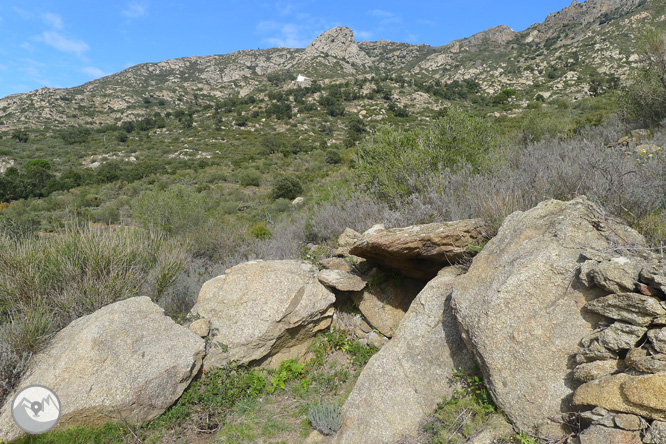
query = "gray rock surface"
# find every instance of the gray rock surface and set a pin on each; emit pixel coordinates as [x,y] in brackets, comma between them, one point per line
[598,369]
[628,422]
[656,434]
[597,434]
[655,276]
[634,308]
[420,251]
[658,339]
[341,280]
[348,237]
[406,379]
[519,306]
[262,307]
[125,362]
[646,360]
[615,275]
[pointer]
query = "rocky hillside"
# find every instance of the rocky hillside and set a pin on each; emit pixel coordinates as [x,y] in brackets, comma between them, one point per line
[578,51]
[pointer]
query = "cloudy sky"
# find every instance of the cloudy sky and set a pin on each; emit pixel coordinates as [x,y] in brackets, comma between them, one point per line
[66,43]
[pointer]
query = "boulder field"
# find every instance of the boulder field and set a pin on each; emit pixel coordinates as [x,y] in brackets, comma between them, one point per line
[563,311]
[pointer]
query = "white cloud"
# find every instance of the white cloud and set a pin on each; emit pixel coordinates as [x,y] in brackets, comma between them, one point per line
[53,20]
[63,44]
[288,35]
[363,35]
[94,72]
[387,18]
[135,10]
[380,13]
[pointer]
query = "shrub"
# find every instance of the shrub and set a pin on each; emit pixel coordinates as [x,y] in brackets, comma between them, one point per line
[325,418]
[249,178]
[178,210]
[392,157]
[286,187]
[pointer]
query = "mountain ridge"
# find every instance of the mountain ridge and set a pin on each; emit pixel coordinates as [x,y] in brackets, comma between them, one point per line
[496,58]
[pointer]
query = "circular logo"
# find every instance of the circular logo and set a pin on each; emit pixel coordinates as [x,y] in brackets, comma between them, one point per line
[36,409]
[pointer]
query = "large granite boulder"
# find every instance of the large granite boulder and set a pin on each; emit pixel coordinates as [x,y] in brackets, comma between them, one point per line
[126,362]
[420,251]
[263,311]
[520,306]
[405,380]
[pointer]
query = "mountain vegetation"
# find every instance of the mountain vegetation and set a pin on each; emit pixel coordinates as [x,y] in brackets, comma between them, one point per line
[155,179]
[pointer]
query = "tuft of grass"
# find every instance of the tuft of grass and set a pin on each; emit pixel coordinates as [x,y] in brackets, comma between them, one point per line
[48,281]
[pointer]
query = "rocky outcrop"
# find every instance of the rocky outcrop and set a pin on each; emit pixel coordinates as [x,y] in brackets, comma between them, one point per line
[125,362]
[340,43]
[520,306]
[260,310]
[410,375]
[420,251]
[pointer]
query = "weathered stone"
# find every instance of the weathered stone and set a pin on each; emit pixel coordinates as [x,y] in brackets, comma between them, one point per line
[609,393]
[597,434]
[336,263]
[648,391]
[656,434]
[410,375]
[520,311]
[615,275]
[634,308]
[659,321]
[420,251]
[341,280]
[125,362]
[200,327]
[658,339]
[643,361]
[594,351]
[386,300]
[262,307]
[628,422]
[348,237]
[374,339]
[595,417]
[648,291]
[655,276]
[598,369]
[374,229]
[621,336]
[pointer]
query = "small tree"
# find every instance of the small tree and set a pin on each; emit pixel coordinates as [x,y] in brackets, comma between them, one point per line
[21,136]
[286,187]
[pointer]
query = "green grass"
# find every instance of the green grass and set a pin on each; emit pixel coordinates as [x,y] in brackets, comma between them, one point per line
[241,404]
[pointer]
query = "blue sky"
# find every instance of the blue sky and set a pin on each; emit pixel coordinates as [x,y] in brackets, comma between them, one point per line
[66,43]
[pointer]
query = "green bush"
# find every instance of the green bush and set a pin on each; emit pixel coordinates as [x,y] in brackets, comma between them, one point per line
[392,157]
[177,210]
[286,187]
[249,178]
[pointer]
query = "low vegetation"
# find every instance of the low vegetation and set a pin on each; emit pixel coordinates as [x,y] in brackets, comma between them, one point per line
[156,205]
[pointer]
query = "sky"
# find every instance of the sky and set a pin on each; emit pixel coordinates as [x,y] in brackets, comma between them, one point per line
[65,43]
